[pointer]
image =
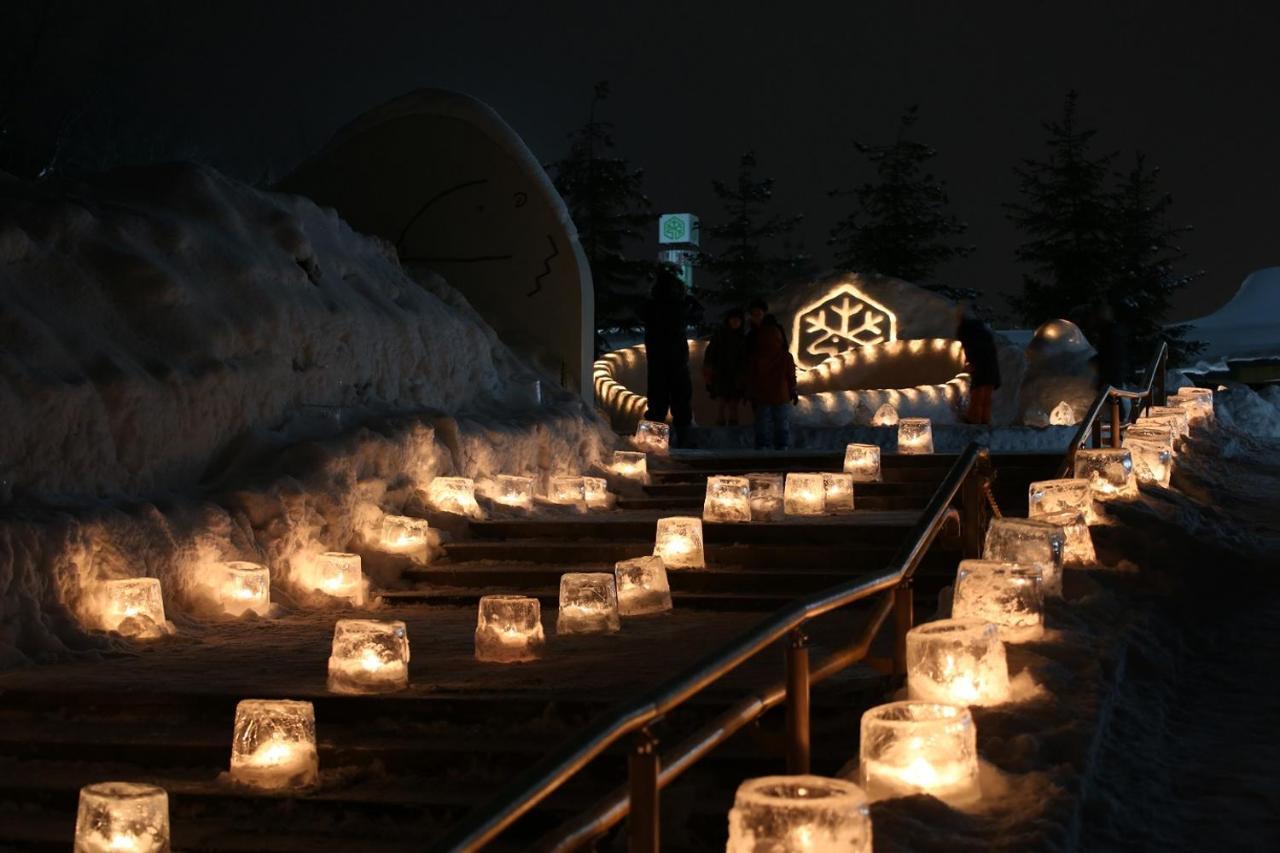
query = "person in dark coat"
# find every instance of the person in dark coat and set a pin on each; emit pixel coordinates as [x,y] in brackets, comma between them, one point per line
[982,363]
[724,367]
[771,385]
[666,321]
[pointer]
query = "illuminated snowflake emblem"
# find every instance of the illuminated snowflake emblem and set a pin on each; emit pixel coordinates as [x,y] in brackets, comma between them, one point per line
[673,228]
[842,319]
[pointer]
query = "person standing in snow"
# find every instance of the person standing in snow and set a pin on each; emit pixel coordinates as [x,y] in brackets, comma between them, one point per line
[982,362]
[666,320]
[771,385]
[724,367]
[757,309]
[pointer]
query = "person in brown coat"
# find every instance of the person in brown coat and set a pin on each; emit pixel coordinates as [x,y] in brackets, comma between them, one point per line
[771,385]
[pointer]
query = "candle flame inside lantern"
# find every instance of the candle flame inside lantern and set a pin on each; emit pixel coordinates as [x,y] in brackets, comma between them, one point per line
[368,656]
[678,542]
[915,435]
[919,748]
[792,814]
[508,629]
[274,744]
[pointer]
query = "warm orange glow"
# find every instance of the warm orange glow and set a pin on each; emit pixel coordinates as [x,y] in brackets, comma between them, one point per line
[842,319]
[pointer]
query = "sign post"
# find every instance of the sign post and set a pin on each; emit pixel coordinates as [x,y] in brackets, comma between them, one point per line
[679,235]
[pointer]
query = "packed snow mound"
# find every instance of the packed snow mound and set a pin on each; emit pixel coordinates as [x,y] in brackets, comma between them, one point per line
[152,319]
[1246,327]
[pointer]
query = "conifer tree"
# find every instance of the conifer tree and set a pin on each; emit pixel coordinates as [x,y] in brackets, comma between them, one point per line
[754,256]
[901,225]
[606,201]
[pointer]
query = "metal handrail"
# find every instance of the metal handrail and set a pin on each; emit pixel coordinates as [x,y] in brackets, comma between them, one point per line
[1151,392]
[541,780]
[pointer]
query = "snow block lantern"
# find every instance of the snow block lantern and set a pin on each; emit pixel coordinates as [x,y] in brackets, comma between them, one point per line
[885,416]
[652,437]
[679,542]
[957,662]
[1046,497]
[456,495]
[1007,595]
[567,491]
[595,491]
[862,462]
[1109,471]
[338,574]
[1027,542]
[805,494]
[837,492]
[402,534]
[122,817]
[727,499]
[513,491]
[766,496]
[509,629]
[243,587]
[274,745]
[588,604]
[798,814]
[915,435]
[368,656]
[631,465]
[133,607]
[911,748]
[642,586]
[1152,460]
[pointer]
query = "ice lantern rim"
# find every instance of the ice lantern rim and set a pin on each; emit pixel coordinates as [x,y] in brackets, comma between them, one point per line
[891,714]
[942,627]
[122,790]
[762,790]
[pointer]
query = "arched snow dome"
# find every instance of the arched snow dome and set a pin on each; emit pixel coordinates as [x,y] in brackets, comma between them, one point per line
[1246,327]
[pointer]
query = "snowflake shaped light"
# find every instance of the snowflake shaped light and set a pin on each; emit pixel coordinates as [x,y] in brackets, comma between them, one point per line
[842,319]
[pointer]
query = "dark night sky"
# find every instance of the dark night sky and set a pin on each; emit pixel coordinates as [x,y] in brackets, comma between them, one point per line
[247,86]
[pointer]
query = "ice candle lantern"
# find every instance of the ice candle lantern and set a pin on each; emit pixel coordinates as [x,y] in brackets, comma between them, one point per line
[766,496]
[1063,415]
[1152,459]
[1007,595]
[679,542]
[805,494]
[1196,402]
[368,656]
[596,492]
[642,586]
[1174,415]
[1109,471]
[402,534]
[957,662]
[1077,545]
[911,748]
[339,574]
[915,435]
[837,492]
[1028,542]
[862,462]
[588,604]
[885,416]
[513,491]
[569,491]
[727,499]
[244,587]
[455,495]
[631,465]
[133,606]
[653,437]
[274,745]
[799,814]
[509,629]
[1046,497]
[122,817]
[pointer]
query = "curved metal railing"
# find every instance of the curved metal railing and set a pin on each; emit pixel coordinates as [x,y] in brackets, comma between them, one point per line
[647,774]
[1151,392]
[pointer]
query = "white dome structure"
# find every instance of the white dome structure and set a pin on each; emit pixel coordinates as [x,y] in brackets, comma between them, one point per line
[1056,338]
[1246,327]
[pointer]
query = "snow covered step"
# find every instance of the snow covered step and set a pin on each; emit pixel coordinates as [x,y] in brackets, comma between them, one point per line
[797,557]
[549,596]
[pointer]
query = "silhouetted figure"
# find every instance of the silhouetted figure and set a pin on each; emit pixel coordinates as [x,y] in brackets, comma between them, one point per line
[666,321]
[757,309]
[982,363]
[724,367]
[771,385]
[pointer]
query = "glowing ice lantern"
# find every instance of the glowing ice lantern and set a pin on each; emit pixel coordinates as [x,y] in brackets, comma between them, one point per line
[596,492]
[122,817]
[799,814]
[766,496]
[911,748]
[1163,433]
[512,491]
[567,491]
[274,745]
[1028,542]
[133,606]
[1152,460]
[1174,415]
[727,499]
[509,629]
[456,495]
[1109,471]
[837,492]
[805,494]
[244,587]
[1046,497]
[679,542]
[368,656]
[402,534]
[862,462]
[957,662]
[1196,402]
[885,416]
[642,586]
[1077,546]
[915,435]
[1063,415]
[339,574]
[588,604]
[1007,595]
[652,437]
[631,465]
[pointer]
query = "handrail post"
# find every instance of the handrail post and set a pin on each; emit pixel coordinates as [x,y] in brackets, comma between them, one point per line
[642,775]
[1115,421]
[1158,388]
[1097,433]
[973,508]
[797,703]
[903,618]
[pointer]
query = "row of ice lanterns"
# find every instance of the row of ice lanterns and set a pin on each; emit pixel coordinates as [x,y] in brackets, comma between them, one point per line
[927,744]
[915,435]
